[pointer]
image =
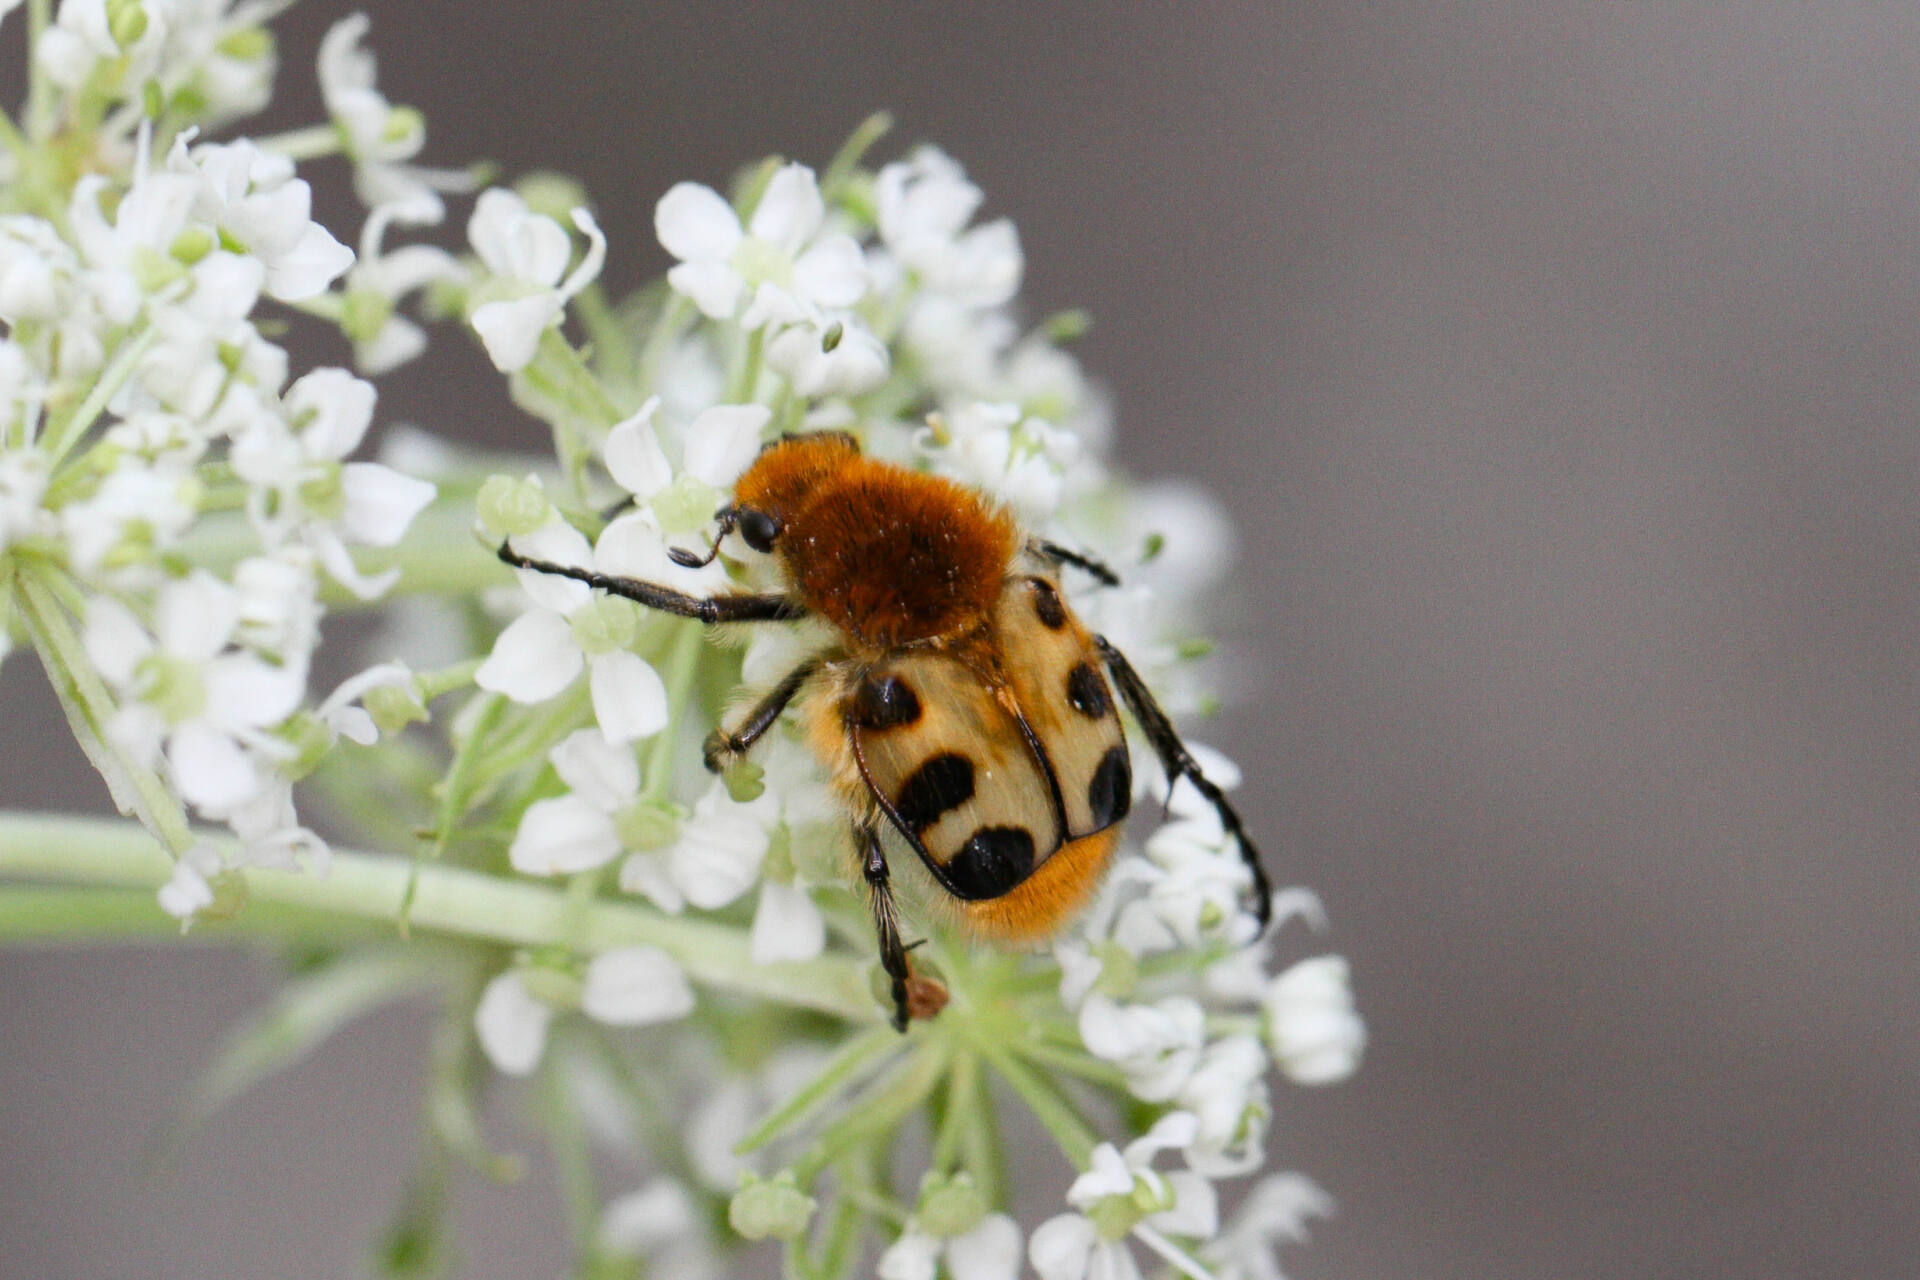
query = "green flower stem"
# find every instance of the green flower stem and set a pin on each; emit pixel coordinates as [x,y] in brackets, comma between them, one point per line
[983,1148]
[683,664]
[747,377]
[846,1066]
[134,787]
[1069,1131]
[833,182]
[455,791]
[40,89]
[961,1110]
[665,334]
[64,433]
[32,913]
[878,1112]
[310,143]
[1082,1064]
[449,900]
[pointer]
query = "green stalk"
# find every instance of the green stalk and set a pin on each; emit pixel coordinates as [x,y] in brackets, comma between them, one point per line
[64,433]
[1054,1112]
[134,787]
[448,900]
[310,143]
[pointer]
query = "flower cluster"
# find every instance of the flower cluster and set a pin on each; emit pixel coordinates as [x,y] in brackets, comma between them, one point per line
[179,509]
[173,507]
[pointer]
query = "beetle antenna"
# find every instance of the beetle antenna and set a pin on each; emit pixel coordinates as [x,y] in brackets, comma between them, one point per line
[693,559]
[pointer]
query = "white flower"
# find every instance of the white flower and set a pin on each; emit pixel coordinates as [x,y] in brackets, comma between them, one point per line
[1311,1025]
[923,204]
[23,483]
[778,260]
[187,890]
[338,712]
[543,650]
[578,831]
[512,1024]
[716,859]
[998,448]
[526,254]
[301,487]
[832,355]
[635,986]
[140,510]
[786,924]
[1119,1186]
[1196,891]
[661,1224]
[1156,1045]
[184,693]
[379,137]
[1275,1212]
[991,1251]
[383,339]
[81,39]
[1227,1094]
[257,207]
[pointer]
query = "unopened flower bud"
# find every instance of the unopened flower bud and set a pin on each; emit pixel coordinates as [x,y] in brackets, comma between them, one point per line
[950,1206]
[509,506]
[127,21]
[776,1208]
[394,707]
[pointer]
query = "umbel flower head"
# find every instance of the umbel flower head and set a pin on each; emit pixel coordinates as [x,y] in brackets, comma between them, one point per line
[679,963]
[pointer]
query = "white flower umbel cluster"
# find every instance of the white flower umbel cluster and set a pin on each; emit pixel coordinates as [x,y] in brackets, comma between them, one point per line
[869,301]
[172,505]
[681,966]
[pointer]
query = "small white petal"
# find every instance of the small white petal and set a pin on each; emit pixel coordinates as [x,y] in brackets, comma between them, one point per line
[380,503]
[692,222]
[1316,1035]
[600,773]
[511,330]
[331,409]
[634,457]
[561,836]
[533,659]
[316,262]
[511,1024]
[723,440]
[196,615]
[649,874]
[914,1256]
[114,639]
[713,285]
[1060,1247]
[633,986]
[832,274]
[786,925]
[629,698]
[212,771]
[991,1251]
[1196,1207]
[790,209]
[556,542]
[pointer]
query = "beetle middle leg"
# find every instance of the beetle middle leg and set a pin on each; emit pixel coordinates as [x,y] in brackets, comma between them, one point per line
[723,746]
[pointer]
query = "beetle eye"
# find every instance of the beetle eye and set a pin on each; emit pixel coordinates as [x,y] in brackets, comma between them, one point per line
[759,529]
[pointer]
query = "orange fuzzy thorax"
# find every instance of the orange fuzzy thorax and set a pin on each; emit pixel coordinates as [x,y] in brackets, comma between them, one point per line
[888,556]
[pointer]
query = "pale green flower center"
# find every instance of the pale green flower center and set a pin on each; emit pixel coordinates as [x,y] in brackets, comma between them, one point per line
[685,505]
[606,625]
[648,825]
[511,507]
[323,494]
[364,313]
[762,262]
[172,686]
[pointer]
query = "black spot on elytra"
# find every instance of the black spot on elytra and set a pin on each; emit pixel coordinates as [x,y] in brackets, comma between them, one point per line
[1088,692]
[942,783]
[884,702]
[1110,794]
[1048,606]
[990,863]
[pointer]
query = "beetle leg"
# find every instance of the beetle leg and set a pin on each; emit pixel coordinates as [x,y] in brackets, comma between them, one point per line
[724,745]
[886,919]
[1060,555]
[1178,763]
[708,609]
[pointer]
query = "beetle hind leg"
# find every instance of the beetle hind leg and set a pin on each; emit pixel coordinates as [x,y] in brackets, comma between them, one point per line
[1179,763]
[886,918]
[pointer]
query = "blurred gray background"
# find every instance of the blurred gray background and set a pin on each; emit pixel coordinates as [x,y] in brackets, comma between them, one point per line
[1557,362]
